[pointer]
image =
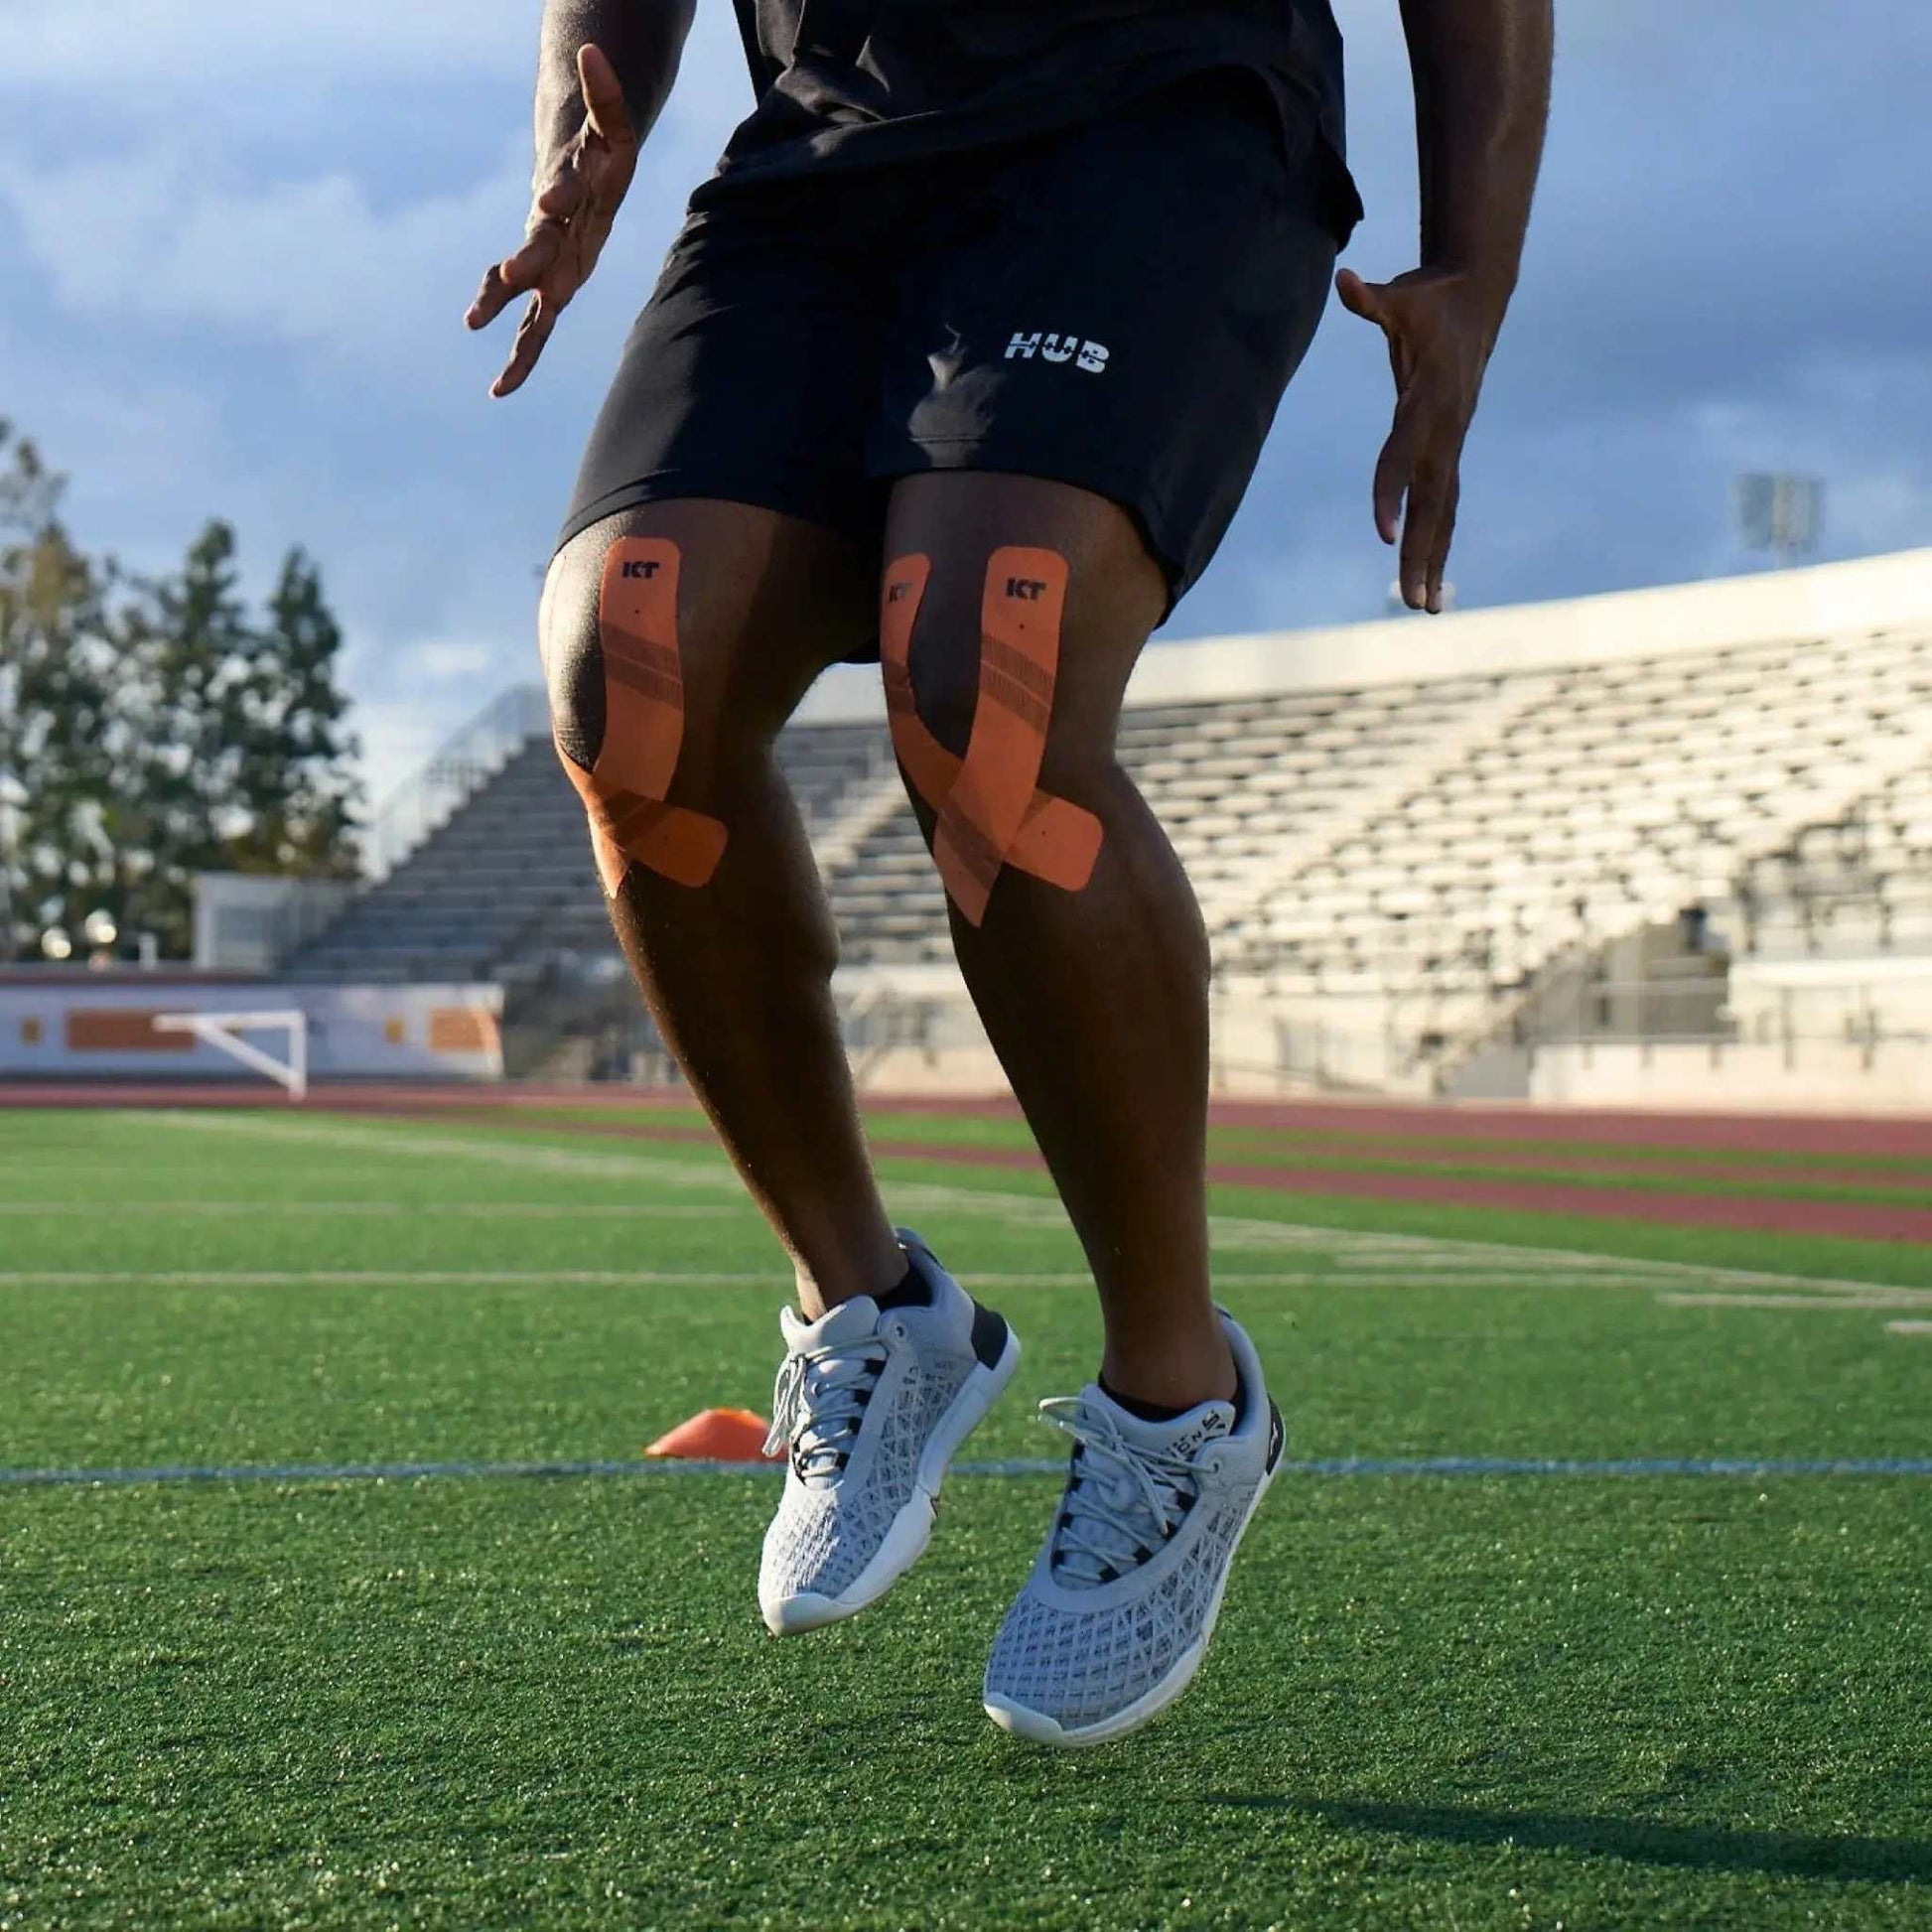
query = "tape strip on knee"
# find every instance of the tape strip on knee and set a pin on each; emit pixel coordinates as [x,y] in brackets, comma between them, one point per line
[1055,841]
[625,792]
[1020,609]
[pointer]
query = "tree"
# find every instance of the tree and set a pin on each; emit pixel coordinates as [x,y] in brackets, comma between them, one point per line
[184,647]
[154,728]
[292,780]
[54,703]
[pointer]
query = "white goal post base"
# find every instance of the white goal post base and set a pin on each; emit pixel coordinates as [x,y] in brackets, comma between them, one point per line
[225,1030]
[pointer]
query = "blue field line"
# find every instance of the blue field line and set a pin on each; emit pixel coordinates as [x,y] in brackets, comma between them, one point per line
[1320,1465]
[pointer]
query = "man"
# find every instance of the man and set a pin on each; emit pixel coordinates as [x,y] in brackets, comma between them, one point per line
[962,361]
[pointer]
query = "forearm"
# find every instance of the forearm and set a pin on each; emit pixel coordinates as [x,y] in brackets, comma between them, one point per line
[1482,97]
[642,38]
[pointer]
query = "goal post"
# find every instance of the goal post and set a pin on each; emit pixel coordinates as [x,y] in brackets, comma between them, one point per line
[225,1030]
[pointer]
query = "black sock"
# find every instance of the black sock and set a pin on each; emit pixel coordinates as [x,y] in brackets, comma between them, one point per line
[912,1293]
[1145,1410]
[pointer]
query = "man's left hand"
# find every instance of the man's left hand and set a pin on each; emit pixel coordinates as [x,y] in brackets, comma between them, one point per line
[1441,329]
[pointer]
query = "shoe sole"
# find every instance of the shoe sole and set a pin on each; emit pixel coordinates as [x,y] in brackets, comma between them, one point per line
[911,1529]
[1039,1728]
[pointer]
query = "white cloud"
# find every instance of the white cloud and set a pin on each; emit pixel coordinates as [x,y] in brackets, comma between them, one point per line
[307,263]
[398,738]
[330,260]
[440,660]
[94,43]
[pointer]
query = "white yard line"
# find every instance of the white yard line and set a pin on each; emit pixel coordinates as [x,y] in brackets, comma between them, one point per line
[776,1279]
[386,1277]
[1730,1468]
[486,1210]
[1873,1298]
[529,1155]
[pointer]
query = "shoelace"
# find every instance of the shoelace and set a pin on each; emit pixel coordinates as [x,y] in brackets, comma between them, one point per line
[818,1400]
[1122,1499]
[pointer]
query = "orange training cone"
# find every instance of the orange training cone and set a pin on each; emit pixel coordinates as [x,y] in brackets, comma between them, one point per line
[717,1436]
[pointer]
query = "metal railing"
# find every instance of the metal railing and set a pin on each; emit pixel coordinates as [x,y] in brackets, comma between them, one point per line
[460,769]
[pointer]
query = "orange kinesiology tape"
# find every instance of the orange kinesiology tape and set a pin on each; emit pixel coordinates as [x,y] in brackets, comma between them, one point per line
[1020,651]
[1056,840]
[624,791]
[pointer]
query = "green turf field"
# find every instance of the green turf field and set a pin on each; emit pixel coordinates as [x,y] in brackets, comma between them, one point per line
[273,1697]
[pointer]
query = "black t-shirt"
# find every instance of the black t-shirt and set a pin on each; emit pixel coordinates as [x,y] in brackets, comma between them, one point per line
[849,83]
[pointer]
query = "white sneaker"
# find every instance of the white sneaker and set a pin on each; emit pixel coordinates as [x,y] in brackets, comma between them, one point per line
[1115,1619]
[871,1406]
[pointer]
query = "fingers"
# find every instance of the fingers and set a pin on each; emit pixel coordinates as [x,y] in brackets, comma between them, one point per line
[1427,501]
[520,273]
[517,274]
[582,195]
[492,300]
[532,332]
[1393,469]
[567,219]
[1429,522]
[526,270]
[1418,485]
[1439,552]
[1361,297]
[1379,303]
[604,103]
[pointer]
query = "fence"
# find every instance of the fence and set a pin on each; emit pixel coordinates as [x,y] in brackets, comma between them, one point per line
[459,769]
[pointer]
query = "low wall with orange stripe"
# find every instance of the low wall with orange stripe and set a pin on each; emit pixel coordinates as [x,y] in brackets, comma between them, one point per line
[88,1026]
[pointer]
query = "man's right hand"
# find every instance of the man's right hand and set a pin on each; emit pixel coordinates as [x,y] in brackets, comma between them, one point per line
[570,221]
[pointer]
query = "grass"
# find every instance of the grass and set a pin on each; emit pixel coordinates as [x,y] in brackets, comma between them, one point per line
[1472,1703]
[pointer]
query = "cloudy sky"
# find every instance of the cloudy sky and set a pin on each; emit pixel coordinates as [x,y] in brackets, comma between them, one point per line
[238,240]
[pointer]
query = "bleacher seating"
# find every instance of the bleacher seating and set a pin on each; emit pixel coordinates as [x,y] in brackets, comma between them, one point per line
[1457,831]
[1617,795]
[1856,885]
[508,885]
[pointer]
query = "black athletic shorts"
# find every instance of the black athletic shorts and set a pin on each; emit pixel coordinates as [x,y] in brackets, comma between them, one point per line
[1118,307]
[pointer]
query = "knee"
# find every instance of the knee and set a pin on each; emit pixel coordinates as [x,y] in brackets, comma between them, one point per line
[635,707]
[644,675]
[571,654]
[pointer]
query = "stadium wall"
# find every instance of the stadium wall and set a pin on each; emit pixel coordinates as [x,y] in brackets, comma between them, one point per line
[68,1027]
[1810,1077]
[913,1030]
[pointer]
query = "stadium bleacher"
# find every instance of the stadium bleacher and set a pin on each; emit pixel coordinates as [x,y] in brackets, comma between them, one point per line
[1384,830]
[1630,790]
[506,884]
[1857,886]
[1453,832]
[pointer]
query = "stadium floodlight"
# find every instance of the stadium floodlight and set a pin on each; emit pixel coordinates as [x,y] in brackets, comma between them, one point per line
[98,928]
[225,1030]
[55,945]
[1780,512]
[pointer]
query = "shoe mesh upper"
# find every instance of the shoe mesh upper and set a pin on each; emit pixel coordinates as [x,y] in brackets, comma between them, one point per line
[824,1534]
[1081,1666]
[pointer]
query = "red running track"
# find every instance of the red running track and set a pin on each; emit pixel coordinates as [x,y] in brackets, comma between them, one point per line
[1845,1139]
